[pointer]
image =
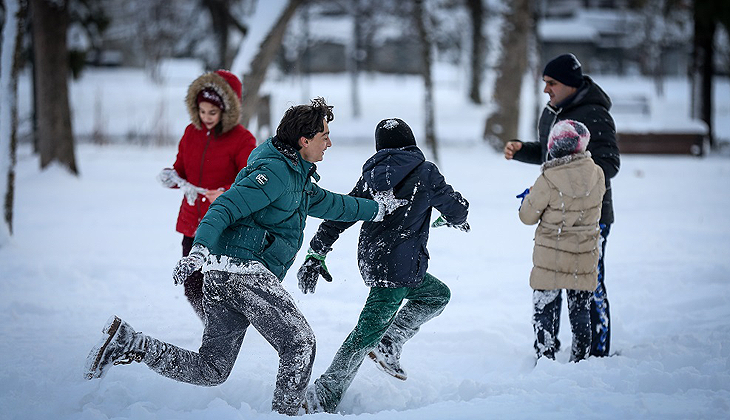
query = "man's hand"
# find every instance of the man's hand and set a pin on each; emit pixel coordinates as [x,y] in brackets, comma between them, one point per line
[511,148]
[188,265]
[387,203]
[310,271]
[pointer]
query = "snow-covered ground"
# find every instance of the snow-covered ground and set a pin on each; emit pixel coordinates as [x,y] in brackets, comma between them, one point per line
[104,243]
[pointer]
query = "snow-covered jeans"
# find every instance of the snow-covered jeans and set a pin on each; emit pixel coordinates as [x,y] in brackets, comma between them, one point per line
[232,302]
[380,317]
[546,320]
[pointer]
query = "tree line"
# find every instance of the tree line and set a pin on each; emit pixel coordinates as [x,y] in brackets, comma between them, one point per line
[35,32]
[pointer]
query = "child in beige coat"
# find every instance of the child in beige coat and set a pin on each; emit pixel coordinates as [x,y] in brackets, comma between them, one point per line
[566,201]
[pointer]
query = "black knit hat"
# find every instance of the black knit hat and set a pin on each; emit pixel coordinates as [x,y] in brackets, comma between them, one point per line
[393,133]
[566,69]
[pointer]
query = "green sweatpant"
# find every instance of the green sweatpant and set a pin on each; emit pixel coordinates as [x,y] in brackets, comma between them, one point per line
[380,317]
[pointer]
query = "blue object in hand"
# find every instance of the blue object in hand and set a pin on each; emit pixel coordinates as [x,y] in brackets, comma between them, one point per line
[523,195]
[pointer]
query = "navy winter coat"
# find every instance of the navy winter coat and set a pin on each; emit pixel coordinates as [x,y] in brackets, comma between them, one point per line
[393,253]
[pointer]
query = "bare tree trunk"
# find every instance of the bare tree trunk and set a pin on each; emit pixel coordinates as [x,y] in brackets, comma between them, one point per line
[222,20]
[476,11]
[356,49]
[12,30]
[502,125]
[654,36]
[55,137]
[267,51]
[702,64]
[423,21]
[219,19]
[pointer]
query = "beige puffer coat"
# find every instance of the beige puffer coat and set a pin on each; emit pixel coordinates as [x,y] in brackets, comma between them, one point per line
[566,200]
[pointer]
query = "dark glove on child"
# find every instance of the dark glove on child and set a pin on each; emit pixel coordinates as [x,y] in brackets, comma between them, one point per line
[310,271]
[464,227]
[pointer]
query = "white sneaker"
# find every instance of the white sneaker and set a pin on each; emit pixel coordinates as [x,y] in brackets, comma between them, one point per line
[386,359]
[311,403]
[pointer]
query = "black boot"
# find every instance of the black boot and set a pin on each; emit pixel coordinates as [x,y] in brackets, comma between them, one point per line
[120,345]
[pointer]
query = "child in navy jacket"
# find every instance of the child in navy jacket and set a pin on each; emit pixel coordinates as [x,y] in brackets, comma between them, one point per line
[392,258]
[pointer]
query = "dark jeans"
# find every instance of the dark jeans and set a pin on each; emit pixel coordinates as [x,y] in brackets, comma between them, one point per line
[193,284]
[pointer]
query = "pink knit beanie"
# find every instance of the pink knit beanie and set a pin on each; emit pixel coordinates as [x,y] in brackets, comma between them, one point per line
[568,137]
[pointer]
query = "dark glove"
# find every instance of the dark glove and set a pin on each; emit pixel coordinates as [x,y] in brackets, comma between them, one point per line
[310,271]
[188,265]
[464,227]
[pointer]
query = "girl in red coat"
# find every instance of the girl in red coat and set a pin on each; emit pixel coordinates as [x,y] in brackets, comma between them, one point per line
[213,149]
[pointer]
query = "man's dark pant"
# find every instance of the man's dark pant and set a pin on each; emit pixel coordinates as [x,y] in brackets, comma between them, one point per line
[600,310]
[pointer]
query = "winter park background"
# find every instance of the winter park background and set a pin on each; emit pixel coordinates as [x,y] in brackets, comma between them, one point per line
[104,243]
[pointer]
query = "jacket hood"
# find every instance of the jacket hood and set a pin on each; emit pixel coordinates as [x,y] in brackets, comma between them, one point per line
[590,93]
[572,186]
[230,116]
[388,167]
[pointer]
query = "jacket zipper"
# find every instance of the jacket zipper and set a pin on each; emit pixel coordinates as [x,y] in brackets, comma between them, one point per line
[202,163]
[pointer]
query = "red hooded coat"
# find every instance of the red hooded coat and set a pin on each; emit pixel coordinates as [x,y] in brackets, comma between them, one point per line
[209,159]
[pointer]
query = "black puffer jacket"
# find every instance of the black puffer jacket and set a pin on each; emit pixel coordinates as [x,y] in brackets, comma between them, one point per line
[393,253]
[590,105]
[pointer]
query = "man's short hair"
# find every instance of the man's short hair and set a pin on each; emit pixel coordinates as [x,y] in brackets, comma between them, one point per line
[304,121]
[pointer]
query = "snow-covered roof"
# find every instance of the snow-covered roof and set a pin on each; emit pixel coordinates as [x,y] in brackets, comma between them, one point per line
[571,30]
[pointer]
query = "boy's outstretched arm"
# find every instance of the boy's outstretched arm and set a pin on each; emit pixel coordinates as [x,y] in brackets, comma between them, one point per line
[453,207]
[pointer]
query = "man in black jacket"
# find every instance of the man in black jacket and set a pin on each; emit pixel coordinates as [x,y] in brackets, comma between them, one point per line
[392,257]
[575,96]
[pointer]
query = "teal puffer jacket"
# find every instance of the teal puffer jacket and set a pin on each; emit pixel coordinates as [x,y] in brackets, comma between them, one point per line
[262,216]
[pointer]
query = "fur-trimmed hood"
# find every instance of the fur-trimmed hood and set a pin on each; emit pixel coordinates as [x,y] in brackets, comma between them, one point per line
[227,86]
[564,160]
[573,175]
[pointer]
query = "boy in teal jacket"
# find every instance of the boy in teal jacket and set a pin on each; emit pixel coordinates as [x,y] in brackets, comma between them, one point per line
[245,244]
